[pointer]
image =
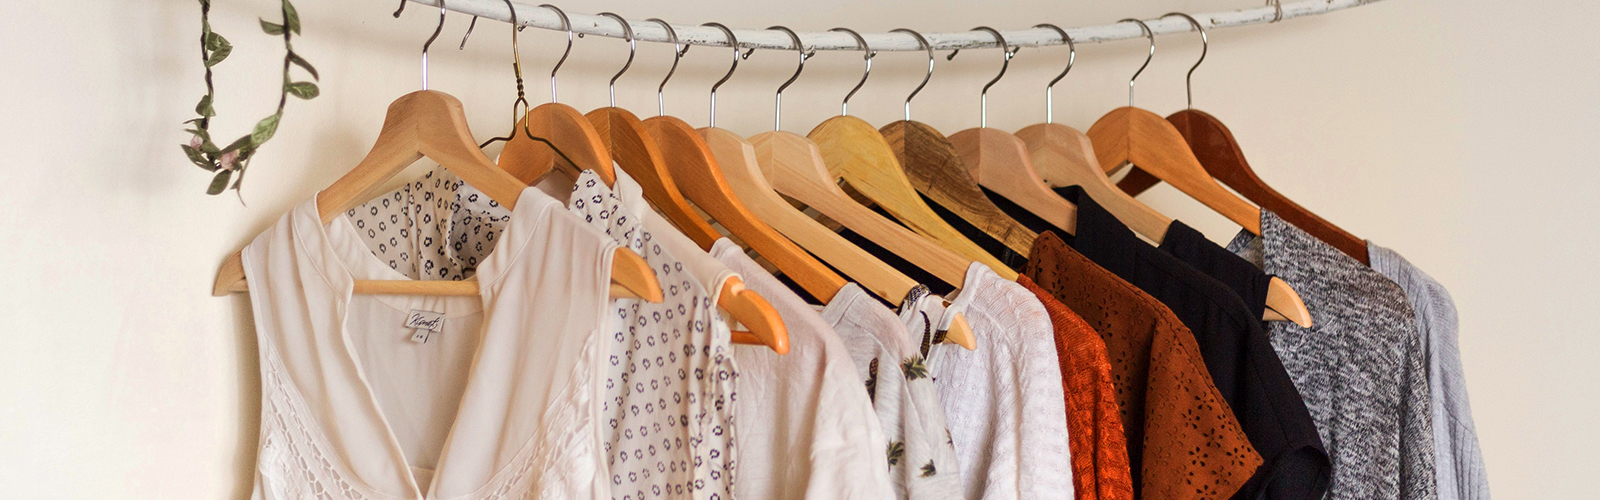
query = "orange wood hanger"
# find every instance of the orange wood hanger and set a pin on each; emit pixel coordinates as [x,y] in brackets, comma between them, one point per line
[637,154]
[1130,135]
[432,123]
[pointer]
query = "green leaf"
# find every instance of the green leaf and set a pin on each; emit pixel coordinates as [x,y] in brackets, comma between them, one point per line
[291,18]
[220,182]
[237,144]
[303,90]
[271,28]
[265,128]
[198,159]
[221,52]
[204,107]
[215,41]
[301,62]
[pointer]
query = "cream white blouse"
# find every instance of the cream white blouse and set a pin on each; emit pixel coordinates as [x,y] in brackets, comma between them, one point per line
[391,397]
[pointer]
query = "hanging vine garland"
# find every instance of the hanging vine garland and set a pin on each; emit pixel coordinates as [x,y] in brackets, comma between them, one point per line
[229,162]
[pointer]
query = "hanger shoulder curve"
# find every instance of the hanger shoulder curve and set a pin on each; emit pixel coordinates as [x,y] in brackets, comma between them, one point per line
[938,172]
[855,151]
[701,181]
[999,161]
[636,152]
[568,132]
[794,167]
[1066,157]
[426,122]
[1130,135]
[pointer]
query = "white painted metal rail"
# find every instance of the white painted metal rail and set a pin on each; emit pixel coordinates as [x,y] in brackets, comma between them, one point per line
[649,31]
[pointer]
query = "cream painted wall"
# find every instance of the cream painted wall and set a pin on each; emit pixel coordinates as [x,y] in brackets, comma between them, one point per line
[1459,133]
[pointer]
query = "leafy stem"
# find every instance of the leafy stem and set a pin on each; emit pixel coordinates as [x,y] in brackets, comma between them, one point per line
[228,163]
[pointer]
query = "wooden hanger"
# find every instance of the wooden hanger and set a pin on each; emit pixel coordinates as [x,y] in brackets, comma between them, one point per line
[635,151]
[937,171]
[853,150]
[1000,161]
[1213,144]
[554,130]
[431,123]
[1128,135]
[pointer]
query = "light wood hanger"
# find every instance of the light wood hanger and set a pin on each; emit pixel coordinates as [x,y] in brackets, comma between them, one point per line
[784,162]
[1000,161]
[853,150]
[433,124]
[637,154]
[691,161]
[1130,135]
[937,171]
[1133,138]
[554,130]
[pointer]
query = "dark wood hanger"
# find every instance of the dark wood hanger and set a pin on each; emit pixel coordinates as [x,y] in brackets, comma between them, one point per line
[1214,145]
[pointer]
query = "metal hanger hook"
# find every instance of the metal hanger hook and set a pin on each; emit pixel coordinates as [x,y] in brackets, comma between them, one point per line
[1049,88]
[983,96]
[922,42]
[429,44]
[1150,35]
[777,107]
[678,50]
[566,24]
[844,107]
[733,43]
[633,46]
[1277,12]
[401,9]
[1188,88]
[520,107]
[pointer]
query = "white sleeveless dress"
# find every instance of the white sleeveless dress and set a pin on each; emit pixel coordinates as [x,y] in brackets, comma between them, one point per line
[500,402]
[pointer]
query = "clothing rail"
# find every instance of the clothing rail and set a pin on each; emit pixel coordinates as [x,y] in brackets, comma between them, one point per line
[649,31]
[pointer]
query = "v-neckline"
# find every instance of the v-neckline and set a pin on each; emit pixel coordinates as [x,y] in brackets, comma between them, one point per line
[347,294]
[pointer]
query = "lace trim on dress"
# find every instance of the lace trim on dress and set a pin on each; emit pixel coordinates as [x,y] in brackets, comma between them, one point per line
[292,463]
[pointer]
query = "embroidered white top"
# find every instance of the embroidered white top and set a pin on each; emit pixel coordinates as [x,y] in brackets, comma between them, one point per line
[500,402]
[922,461]
[807,429]
[1004,402]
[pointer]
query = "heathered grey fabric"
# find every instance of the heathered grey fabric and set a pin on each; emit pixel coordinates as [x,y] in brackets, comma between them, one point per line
[1455,439]
[1359,367]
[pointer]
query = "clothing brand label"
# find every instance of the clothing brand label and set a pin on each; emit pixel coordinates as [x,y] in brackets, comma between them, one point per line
[425,320]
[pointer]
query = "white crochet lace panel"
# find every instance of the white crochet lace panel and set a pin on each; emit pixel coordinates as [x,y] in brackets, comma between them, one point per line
[292,463]
[561,459]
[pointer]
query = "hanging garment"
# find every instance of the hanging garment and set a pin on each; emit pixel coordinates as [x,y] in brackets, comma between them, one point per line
[1237,353]
[1183,440]
[670,376]
[806,428]
[665,432]
[1094,427]
[387,396]
[922,461]
[1003,402]
[1359,368]
[1458,462]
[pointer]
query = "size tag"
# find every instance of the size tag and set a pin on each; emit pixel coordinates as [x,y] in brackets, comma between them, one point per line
[424,323]
[425,320]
